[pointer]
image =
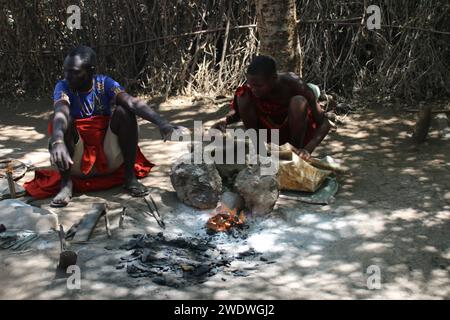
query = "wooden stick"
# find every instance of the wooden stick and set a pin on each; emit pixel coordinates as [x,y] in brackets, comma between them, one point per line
[224,51]
[11,183]
[88,223]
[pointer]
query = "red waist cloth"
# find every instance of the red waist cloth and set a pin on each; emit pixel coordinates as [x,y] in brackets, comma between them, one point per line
[92,131]
[46,183]
[272,115]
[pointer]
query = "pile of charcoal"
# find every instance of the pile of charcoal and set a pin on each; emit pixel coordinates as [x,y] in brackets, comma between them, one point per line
[177,261]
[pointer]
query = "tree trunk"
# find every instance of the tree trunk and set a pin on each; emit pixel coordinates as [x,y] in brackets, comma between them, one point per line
[278,35]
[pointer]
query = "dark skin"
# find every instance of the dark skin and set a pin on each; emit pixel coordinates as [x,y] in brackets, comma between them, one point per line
[123,123]
[288,90]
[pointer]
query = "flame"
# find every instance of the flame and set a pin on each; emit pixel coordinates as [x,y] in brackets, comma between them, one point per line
[225,219]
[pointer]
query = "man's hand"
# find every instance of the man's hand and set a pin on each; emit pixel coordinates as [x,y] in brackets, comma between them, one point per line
[59,156]
[167,129]
[302,153]
[220,125]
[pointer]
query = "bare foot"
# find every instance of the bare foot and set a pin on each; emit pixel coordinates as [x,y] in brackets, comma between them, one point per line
[64,196]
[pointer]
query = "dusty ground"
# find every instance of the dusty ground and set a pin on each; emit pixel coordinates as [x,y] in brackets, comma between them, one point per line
[392,211]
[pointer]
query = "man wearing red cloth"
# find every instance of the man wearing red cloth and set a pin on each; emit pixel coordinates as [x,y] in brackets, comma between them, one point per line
[92,145]
[270,100]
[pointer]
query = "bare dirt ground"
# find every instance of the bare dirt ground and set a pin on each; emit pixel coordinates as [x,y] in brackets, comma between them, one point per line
[392,211]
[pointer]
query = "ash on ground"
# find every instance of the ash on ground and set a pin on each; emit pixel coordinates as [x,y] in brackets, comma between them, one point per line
[180,261]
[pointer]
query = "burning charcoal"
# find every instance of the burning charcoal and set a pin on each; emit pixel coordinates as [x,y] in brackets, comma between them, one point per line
[225,219]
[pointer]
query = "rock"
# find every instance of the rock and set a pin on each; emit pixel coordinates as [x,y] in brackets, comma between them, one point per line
[260,192]
[197,185]
[298,175]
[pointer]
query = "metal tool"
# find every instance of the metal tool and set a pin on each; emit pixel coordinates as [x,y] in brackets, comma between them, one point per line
[154,211]
[108,231]
[67,257]
[122,217]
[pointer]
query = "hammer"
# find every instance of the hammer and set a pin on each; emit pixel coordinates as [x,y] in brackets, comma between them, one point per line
[66,257]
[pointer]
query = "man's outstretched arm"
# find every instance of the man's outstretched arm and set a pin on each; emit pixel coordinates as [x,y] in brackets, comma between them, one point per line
[143,110]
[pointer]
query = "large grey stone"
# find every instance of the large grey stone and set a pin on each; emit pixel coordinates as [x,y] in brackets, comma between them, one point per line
[197,185]
[260,192]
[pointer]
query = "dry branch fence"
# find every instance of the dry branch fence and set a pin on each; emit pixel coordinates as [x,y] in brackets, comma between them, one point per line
[202,47]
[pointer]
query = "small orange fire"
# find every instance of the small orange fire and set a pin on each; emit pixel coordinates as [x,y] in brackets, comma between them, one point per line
[225,219]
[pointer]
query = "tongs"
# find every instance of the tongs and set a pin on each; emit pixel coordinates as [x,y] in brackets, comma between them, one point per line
[154,210]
